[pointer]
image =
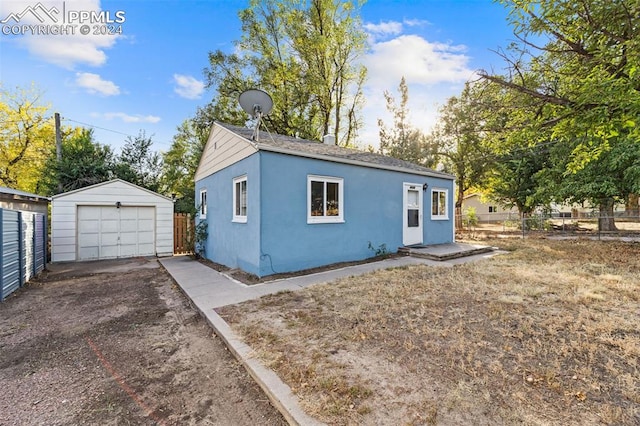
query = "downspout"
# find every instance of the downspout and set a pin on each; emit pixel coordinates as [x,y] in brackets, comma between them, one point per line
[260,216]
[263,255]
[453,192]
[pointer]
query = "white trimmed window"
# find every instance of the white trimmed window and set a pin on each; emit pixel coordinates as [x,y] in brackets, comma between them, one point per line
[240,199]
[439,204]
[325,199]
[203,204]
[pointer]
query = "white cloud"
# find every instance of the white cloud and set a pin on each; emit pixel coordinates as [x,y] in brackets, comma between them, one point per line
[187,86]
[419,60]
[433,71]
[127,118]
[384,28]
[416,22]
[69,51]
[94,84]
[65,50]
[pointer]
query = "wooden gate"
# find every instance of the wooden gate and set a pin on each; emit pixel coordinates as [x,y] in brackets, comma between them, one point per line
[182,233]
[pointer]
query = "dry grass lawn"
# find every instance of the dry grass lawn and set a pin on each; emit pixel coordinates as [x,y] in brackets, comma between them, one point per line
[547,334]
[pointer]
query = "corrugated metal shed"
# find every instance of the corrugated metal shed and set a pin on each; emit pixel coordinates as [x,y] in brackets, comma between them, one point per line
[23,248]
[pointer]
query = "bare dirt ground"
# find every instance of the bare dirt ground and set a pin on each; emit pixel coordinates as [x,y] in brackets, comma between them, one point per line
[113,343]
[544,335]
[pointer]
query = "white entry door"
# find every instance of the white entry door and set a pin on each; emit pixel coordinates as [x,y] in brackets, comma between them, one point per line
[412,214]
[109,232]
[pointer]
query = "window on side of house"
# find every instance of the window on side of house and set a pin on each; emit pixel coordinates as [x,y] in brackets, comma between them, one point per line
[203,204]
[439,204]
[325,199]
[240,199]
[493,209]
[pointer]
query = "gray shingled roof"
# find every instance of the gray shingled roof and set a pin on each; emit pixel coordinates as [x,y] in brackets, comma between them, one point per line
[307,148]
[12,193]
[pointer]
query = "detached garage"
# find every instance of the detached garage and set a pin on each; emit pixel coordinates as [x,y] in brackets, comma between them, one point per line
[110,220]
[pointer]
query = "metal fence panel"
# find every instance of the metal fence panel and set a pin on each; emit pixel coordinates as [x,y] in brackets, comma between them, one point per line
[10,245]
[39,243]
[583,225]
[28,231]
[23,248]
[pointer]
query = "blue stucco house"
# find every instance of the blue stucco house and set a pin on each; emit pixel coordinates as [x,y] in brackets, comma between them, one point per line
[282,204]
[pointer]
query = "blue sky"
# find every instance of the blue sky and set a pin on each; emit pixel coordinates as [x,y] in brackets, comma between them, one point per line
[150,77]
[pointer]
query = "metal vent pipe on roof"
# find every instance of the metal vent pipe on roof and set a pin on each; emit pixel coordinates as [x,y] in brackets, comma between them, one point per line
[329,140]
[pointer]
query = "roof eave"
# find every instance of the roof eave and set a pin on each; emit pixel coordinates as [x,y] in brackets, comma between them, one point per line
[18,197]
[264,147]
[251,141]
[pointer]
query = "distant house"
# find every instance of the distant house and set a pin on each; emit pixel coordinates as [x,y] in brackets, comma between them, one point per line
[486,209]
[282,204]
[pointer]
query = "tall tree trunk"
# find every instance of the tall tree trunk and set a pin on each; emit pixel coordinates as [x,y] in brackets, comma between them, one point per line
[606,221]
[632,208]
[458,209]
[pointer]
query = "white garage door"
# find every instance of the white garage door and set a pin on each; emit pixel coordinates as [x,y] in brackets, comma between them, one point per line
[107,232]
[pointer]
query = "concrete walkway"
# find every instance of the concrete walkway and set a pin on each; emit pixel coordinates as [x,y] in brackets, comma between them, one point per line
[209,289]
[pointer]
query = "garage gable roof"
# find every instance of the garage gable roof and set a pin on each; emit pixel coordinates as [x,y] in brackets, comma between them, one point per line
[109,182]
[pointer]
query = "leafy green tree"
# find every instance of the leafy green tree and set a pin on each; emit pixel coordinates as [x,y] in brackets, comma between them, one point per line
[180,163]
[459,136]
[329,40]
[403,140]
[611,178]
[516,178]
[578,59]
[84,162]
[587,67]
[304,54]
[26,136]
[518,145]
[139,164]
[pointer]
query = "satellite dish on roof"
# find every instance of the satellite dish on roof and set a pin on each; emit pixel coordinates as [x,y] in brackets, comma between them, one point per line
[256,103]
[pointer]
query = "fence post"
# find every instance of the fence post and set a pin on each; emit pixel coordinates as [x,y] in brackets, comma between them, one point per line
[1,254]
[33,244]
[599,224]
[190,236]
[45,241]
[523,224]
[21,252]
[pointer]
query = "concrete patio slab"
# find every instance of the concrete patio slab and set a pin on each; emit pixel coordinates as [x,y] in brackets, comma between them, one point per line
[442,252]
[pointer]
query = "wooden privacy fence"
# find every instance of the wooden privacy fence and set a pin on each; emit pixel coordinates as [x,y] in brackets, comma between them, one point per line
[183,226]
[23,248]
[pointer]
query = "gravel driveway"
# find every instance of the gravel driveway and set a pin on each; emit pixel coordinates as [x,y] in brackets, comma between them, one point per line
[115,342]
